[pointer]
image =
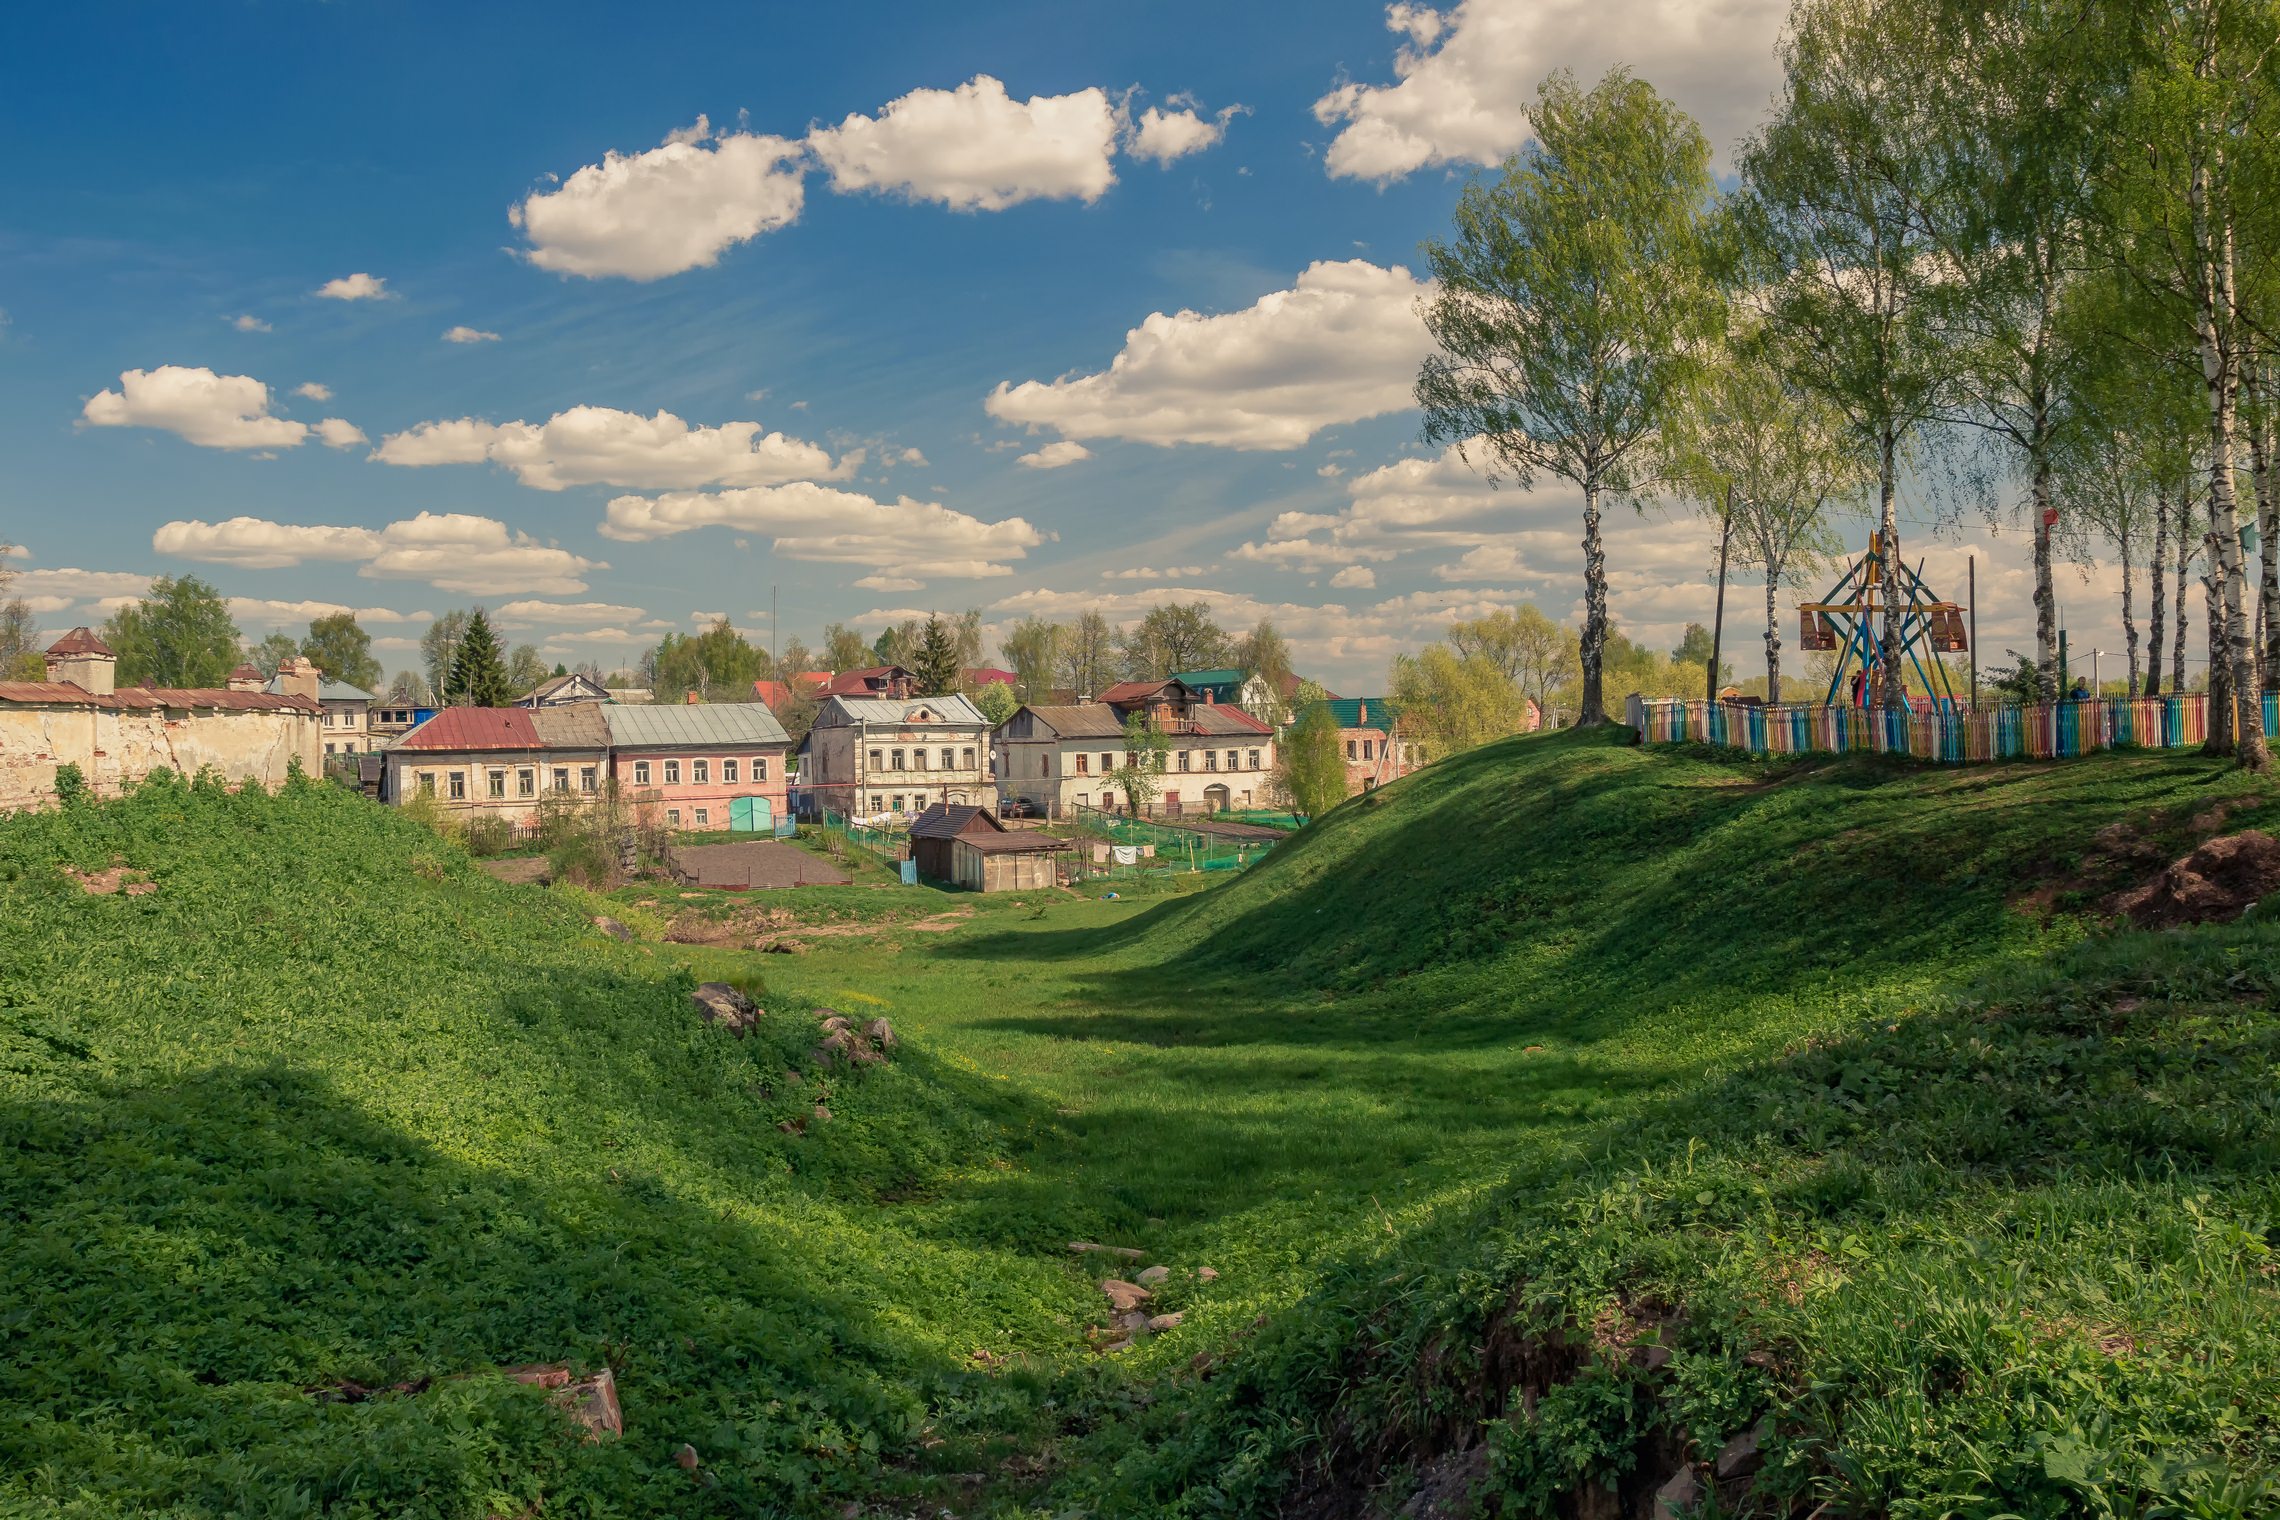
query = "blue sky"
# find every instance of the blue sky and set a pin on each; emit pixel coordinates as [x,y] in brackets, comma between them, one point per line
[890,307]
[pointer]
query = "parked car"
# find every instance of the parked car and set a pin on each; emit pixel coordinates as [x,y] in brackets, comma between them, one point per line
[1017,807]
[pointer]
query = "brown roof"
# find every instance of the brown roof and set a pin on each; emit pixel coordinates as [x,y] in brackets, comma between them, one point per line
[137,698]
[1023,842]
[245,673]
[475,728]
[858,683]
[1135,691]
[571,725]
[1082,720]
[80,640]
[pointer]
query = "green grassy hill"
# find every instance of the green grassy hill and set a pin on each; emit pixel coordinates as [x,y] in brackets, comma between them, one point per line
[1821,1079]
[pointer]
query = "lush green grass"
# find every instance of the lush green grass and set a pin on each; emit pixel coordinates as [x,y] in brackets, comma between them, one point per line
[1550,1035]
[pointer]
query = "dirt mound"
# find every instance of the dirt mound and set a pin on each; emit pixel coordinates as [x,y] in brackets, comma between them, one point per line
[2217,883]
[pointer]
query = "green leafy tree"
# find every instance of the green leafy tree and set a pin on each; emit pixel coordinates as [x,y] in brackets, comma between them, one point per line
[409,689]
[1147,753]
[1263,653]
[1310,774]
[899,645]
[936,666]
[1088,654]
[342,650]
[1536,654]
[1172,638]
[525,669]
[997,702]
[275,648]
[793,660]
[718,665]
[1032,650]
[844,649]
[1772,462]
[21,655]
[179,635]
[439,649]
[1566,303]
[1693,653]
[478,673]
[1857,294]
[1453,702]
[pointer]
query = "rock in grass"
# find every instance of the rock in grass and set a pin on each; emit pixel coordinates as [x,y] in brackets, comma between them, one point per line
[1148,1277]
[687,1457]
[880,1033]
[612,927]
[1740,1457]
[1207,1274]
[719,1003]
[1169,1321]
[591,1401]
[1678,1496]
[1124,1296]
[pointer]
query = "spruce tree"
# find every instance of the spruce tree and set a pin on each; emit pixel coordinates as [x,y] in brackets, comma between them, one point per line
[936,666]
[478,673]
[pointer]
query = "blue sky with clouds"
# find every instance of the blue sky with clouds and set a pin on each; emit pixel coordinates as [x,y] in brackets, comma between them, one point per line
[607,317]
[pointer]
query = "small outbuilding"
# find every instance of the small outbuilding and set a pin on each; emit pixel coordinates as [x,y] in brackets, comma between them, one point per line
[968,847]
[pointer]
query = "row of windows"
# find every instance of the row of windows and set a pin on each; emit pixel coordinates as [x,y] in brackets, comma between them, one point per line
[700,771]
[335,718]
[495,782]
[673,818]
[952,760]
[907,802]
[1184,761]
[1373,749]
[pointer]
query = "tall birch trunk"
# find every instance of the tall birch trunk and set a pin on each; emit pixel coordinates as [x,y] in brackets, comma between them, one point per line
[1772,632]
[2129,609]
[2184,569]
[1888,501]
[2260,473]
[1594,641]
[2160,590]
[2214,314]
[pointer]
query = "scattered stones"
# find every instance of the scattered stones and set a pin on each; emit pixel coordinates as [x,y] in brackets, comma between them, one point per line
[1207,1274]
[844,1045]
[1650,1357]
[1080,1247]
[822,1114]
[1124,1296]
[1148,1277]
[686,1457]
[1678,1496]
[1169,1321]
[719,1003]
[880,1033]
[591,1401]
[1132,1323]
[612,927]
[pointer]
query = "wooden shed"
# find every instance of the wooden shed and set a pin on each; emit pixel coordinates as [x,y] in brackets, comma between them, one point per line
[968,847]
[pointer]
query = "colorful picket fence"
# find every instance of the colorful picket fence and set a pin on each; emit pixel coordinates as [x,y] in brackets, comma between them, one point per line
[1944,733]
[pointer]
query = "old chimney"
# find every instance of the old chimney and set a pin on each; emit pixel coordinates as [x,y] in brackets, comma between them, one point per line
[246,678]
[689,699]
[85,661]
[297,677]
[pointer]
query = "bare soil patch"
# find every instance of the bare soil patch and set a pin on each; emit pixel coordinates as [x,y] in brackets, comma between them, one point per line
[114,878]
[756,865]
[2217,883]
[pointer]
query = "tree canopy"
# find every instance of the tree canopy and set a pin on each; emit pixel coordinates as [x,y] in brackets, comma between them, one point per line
[179,635]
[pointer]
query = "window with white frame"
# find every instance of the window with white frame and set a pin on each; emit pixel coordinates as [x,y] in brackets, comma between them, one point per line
[586,778]
[704,817]
[562,778]
[641,773]
[673,817]
[459,786]
[526,783]
[728,772]
[759,769]
[427,783]
[700,772]
[672,773]
[498,783]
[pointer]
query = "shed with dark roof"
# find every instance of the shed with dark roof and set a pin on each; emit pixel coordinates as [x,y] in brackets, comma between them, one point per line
[970,848]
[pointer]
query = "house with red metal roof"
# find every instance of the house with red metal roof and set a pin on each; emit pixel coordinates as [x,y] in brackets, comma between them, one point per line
[79,716]
[499,762]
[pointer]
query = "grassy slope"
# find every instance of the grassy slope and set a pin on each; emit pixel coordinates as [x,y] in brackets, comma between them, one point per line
[306,1113]
[331,1104]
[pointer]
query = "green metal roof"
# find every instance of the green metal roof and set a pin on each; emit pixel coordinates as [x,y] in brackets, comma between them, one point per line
[1211,677]
[1362,712]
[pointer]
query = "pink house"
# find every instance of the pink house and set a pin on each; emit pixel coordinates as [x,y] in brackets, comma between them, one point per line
[708,766]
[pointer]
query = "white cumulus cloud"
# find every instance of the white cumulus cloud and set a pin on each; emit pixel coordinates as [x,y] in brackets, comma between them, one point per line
[1054,455]
[1165,136]
[340,433]
[212,411]
[678,206]
[450,551]
[354,287]
[465,334]
[975,148]
[248,322]
[902,539]
[1342,344]
[313,391]
[538,614]
[1355,577]
[590,445]
[1464,77]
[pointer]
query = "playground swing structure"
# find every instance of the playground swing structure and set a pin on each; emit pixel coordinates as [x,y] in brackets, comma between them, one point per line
[1845,621]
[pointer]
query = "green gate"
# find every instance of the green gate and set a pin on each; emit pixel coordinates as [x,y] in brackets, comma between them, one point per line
[750,815]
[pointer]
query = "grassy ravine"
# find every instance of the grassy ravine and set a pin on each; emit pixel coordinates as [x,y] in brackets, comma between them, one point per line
[1549,1050]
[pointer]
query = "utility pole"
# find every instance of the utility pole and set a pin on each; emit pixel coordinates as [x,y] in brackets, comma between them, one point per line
[1972,575]
[1718,618]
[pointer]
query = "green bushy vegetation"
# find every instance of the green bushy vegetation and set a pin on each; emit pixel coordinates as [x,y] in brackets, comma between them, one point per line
[1821,1077]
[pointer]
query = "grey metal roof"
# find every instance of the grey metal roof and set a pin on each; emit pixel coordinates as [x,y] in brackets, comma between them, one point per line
[692,725]
[950,709]
[327,691]
[571,725]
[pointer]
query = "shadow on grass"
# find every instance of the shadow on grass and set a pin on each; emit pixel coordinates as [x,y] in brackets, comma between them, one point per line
[183,1263]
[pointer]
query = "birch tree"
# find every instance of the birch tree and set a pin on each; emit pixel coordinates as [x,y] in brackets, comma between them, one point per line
[1853,285]
[1564,306]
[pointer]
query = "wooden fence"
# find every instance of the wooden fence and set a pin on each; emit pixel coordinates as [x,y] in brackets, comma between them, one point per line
[1943,733]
